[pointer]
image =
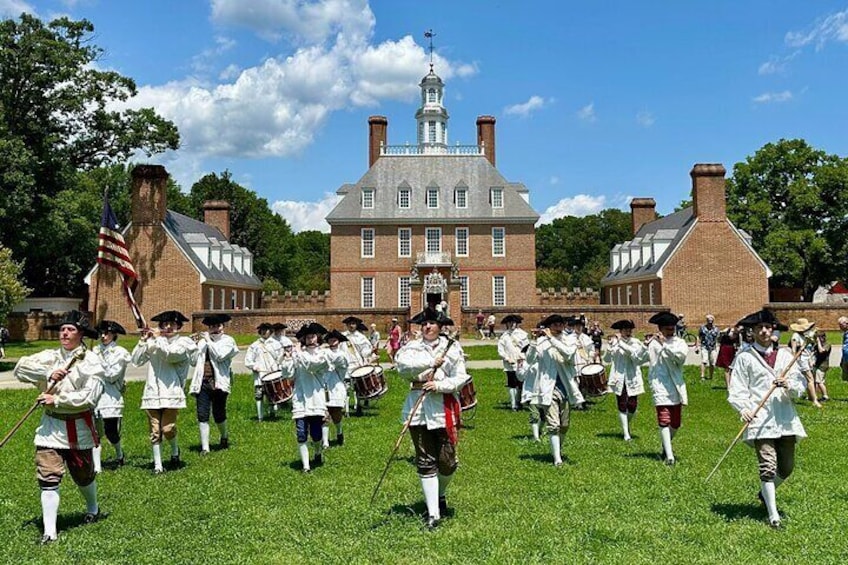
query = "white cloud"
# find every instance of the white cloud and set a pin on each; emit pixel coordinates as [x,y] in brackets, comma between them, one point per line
[645,119]
[206,60]
[526,108]
[587,113]
[831,28]
[578,205]
[776,65]
[303,216]
[14,8]
[773,97]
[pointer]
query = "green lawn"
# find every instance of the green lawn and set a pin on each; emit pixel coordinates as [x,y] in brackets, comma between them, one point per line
[611,502]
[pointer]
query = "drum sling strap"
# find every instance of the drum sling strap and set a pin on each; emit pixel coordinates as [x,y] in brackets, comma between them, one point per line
[453,411]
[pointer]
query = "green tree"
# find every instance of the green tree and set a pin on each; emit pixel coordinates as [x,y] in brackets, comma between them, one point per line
[12,289]
[312,261]
[58,117]
[793,201]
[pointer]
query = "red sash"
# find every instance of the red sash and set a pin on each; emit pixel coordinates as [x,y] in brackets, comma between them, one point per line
[452,416]
[71,427]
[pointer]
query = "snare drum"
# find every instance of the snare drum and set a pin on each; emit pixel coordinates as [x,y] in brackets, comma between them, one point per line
[468,395]
[277,388]
[379,380]
[593,378]
[365,383]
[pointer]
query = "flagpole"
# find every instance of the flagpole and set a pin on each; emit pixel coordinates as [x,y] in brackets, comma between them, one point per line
[99,267]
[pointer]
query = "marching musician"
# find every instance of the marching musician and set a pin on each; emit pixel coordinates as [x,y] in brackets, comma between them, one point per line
[555,378]
[281,337]
[65,436]
[625,355]
[359,351]
[334,384]
[510,344]
[307,366]
[263,357]
[212,378]
[438,371]
[527,372]
[776,428]
[575,329]
[110,407]
[572,386]
[170,356]
[666,356]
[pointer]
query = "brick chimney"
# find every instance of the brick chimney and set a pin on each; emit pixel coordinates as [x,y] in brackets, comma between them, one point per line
[378,127]
[216,213]
[642,211]
[708,192]
[486,136]
[149,194]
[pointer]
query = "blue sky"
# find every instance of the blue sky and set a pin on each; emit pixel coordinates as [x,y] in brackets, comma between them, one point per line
[596,102]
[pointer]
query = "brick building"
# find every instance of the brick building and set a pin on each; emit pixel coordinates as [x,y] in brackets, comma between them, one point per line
[183,264]
[694,261]
[432,222]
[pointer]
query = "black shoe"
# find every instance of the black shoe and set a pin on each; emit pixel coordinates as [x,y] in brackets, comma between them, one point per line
[91,518]
[225,443]
[47,540]
[119,462]
[318,460]
[340,439]
[358,410]
[443,506]
[432,523]
[175,461]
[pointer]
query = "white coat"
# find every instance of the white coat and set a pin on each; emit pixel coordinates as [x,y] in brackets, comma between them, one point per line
[170,360]
[665,371]
[307,367]
[263,357]
[334,378]
[585,350]
[220,352]
[77,393]
[625,357]
[414,363]
[114,359]
[358,348]
[555,359]
[510,345]
[750,381]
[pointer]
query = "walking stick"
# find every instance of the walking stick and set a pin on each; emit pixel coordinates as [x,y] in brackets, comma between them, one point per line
[406,425]
[79,354]
[754,415]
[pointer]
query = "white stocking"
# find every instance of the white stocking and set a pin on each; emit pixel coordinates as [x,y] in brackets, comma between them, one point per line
[555,449]
[665,435]
[96,453]
[304,454]
[204,436]
[770,500]
[535,428]
[49,511]
[444,481]
[89,492]
[325,435]
[625,425]
[430,486]
[157,456]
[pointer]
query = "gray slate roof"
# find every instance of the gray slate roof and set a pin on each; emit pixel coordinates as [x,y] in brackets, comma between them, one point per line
[422,171]
[187,230]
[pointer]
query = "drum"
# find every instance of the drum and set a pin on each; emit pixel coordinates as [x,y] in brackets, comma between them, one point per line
[366,383]
[593,378]
[277,388]
[468,395]
[380,380]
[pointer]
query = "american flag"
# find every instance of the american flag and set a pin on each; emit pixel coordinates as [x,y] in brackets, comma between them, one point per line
[112,252]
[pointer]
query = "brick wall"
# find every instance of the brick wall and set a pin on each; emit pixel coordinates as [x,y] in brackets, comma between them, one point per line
[824,315]
[245,322]
[553,298]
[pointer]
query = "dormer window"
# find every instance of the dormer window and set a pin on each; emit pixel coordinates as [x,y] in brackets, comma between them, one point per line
[367,198]
[461,197]
[404,197]
[432,197]
[496,196]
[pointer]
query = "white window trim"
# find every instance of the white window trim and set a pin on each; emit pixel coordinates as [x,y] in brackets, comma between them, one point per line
[464,297]
[494,293]
[432,190]
[223,299]
[500,191]
[400,293]
[408,192]
[651,292]
[427,240]
[362,240]
[639,293]
[362,292]
[373,195]
[400,251]
[503,245]
[464,191]
[456,241]
[618,295]
[211,298]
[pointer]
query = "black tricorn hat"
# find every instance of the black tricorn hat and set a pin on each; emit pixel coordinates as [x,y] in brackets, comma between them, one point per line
[215,319]
[512,319]
[352,320]
[77,319]
[663,319]
[278,326]
[264,327]
[361,327]
[552,319]
[169,316]
[623,325]
[762,317]
[311,328]
[111,327]
[335,334]
[430,315]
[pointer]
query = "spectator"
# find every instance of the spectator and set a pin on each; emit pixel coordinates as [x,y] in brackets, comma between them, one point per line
[807,360]
[705,343]
[680,326]
[728,343]
[4,337]
[490,323]
[393,340]
[822,364]
[374,338]
[480,319]
[843,325]
[597,335]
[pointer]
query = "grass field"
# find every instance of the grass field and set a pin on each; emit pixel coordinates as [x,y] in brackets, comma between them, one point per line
[611,502]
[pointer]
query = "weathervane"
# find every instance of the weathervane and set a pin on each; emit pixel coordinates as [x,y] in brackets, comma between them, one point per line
[430,34]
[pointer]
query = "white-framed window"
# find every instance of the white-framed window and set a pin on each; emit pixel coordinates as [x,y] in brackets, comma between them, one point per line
[404,242]
[618,295]
[639,294]
[609,296]
[431,127]
[253,301]
[496,196]
[403,292]
[651,293]
[243,299]
[433,237]
[461,242]
[223,299]
[499,290]
[404,197]
[463,291]
[233,298]
[432,197]
[367,198]
[461,197]
[211,298]
[498,242]
[629,294]
[367,243]
[367,292]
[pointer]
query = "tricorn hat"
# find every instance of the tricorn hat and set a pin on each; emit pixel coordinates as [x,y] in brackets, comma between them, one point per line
[264,327]
[431,315]
[278,326]
[169,316]
[512,319]
[77,319]
[361,327]
[623,325]
[762,317]
[215,319]
[335,334]
[801,325]
[664,319]
[311,328]
[111,327]
[552,319]
[352,320]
